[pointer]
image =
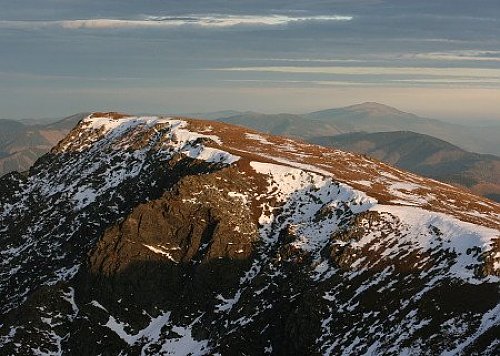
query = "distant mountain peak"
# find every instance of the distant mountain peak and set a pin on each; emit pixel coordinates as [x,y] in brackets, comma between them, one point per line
[374,107]
[366,110]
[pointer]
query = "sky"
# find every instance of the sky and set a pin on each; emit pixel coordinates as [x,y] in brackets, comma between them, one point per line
[435,58]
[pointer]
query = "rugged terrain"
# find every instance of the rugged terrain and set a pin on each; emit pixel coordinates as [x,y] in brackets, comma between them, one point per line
[157,235]
[427,156]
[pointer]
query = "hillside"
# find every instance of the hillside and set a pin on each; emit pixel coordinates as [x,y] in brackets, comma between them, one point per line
[22,144]
[175,236]
[370,117]
[283,124]
[425,155]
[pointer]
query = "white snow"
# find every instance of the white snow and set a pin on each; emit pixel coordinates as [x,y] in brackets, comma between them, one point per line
[364,182]
[301,195]
[150,332]
[107,124]
[95,303]
[258,138]
[70,298]
[456,236]
[161,251]
[489,319]
[298,165]
[403,190]
[227,304]
[114,137]
[240,196]
[182,139]
[405,186]
[211,155]
[184,345]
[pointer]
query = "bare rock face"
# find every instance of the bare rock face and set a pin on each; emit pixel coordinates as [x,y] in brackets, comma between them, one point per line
[160,236]
[193,241]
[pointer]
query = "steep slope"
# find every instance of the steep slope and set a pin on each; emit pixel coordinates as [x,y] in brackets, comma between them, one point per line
[21,145]
[166,236]
[425,155]
[10,128]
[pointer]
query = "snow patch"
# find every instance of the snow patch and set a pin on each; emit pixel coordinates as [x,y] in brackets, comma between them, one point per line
[450,234]
[258,138]
[161,251]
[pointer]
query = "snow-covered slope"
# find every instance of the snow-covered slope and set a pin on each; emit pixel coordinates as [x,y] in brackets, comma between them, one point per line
[153,235]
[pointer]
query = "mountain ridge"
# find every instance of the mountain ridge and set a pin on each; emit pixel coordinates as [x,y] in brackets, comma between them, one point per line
[367,107]
[165,235]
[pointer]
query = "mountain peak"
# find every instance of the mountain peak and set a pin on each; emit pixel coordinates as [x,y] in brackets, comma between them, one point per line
[366,110]
[375,108]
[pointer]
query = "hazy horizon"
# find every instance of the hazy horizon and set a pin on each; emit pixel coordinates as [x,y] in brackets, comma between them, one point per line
[464,122]
[436,59]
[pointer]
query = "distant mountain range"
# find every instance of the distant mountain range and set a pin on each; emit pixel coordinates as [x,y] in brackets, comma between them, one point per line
[22,142]
[367,117]
[396,137]
[425,155]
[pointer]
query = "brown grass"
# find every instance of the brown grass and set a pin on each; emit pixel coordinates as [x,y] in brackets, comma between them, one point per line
[345,167]
[349,168]
[111,115]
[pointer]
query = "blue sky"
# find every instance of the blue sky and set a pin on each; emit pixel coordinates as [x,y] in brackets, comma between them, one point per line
[435,58]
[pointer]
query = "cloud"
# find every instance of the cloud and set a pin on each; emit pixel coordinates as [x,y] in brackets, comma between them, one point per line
[312,60]
[307,82]
[450,81]
[468,55]
[44,77]
[440,82]
[374,70]
[206,21]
